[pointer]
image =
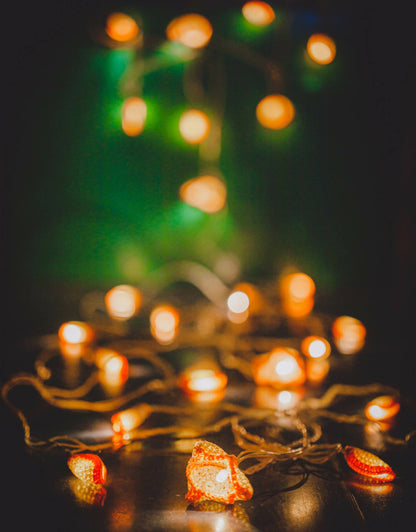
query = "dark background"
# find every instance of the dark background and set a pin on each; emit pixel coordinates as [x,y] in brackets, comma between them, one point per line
[332,196]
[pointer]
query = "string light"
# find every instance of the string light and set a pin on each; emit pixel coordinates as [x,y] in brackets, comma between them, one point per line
[214,475]
[88,468]
[275,111]
[194,126]
[192,30]
[382,408]
[123,301]
[207,193]
[281,367]
[321,48]
[133,116]
[114,365]
[202,380]
[131,418]
[164,322]
[75,332]
[297,293]
[368,464]
[120,27]
[349,334]
[315,347]
[258,13]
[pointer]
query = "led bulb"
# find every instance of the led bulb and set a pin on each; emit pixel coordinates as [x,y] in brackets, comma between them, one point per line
[258,13]
[368,464]
[75,332]
[194,126]
[130,418]
[120,27]
[114,365]
[88,468]
[382,408]
[123,302]
[321,48]
[315,347]
[275,111]
[164,322]
[281,367]
[214,475]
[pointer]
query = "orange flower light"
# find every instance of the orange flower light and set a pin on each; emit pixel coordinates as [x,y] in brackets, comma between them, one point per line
[123,301]
[194,126]
[315,347]
[75,332]
[382,408]
[114,365]
[191,30]
[368,464]
[214,475]
[93,494]
[207,193]
[88,468]
[130,418]
[275,111]
[164,322]
[281,367]
[321,48]
[258,13]
[120,27]
[349,334]
[133,116]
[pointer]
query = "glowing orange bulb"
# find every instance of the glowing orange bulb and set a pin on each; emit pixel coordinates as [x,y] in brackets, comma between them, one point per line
[315,347]
[349,334]
[207,193]
[114,365]
[275,111]
[75,332]
[321,48]
[131,418]
[121,27]
[281,367]
[317,369]
[214,475]
[203,380]
[88,467]
[123,301]
[298,286]
[258,13]
[133,116]
[368,464]
[268,397]
[382,408]
[255,298]
[194,126]
[164,321]
[191,30]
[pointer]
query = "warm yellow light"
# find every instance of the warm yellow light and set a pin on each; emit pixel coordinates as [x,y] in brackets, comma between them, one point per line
[275,111]
[191,30]
[315,347]
[317,369]
[123,301]
[256,300]
[258,13]
[298,286]
[382,408]
[164,321]
[75,332]
[349,334]
[131,418]
[88,468]
[121,27]
[203,380]
[282,366]
[194,126]
[214,475]
[133,116]
[268,397]
[238,302]
[207,193]
[114,365]
[321,48]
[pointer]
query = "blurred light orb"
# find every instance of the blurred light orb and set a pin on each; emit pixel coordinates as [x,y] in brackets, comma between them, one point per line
[164,322]
[382,408]
[114,365]
[75,332]
[123,301]
[321,48]
[275,111]
[121,27]
[194,126]
[238,302]
[191,30]
[258,13]
[207,193]
[203,380]
[282,366]
[133,116]
[349,334]
[297,286]
[315,347]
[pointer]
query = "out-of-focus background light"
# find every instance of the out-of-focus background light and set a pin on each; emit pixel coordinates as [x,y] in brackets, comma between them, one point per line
[164,322]
[321,48]
[315,347]
[123,301]
[133,116]
[258,13]
[281,367]
[192,30]
[121,27]
[194,126]
[275,111]
[207,193]
[348,334]
[75,332]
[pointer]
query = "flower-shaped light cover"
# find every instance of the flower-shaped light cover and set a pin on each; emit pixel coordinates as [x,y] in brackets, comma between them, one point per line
[214,475]
[88,467]
[368,464]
